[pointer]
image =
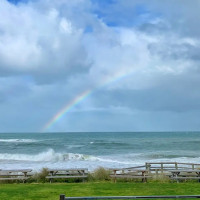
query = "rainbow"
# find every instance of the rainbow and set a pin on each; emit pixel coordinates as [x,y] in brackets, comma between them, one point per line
[81,97]
[66,109]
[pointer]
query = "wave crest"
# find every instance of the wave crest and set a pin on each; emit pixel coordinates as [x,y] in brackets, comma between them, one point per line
[48,156]
[18,140]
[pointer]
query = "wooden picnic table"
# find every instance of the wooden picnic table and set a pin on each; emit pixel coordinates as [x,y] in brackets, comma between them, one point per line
[10,171]
[67,173]
[183,174]
[14,174]
[129,170]
[130,173]
[177,172]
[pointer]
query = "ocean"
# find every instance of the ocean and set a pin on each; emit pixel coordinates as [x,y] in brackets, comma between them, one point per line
[93,150]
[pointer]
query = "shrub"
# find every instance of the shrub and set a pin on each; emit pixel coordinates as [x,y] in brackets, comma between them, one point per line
[41,176]
[101,174]
[161,178]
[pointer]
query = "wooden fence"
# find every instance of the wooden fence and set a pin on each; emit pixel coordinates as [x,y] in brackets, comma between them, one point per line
[173,170]
[63,197]
[161,167]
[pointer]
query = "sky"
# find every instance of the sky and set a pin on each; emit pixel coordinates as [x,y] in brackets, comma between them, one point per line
[99,65]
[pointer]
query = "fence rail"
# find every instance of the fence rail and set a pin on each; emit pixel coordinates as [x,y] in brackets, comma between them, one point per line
[63,197]
[165,166]
[171,164]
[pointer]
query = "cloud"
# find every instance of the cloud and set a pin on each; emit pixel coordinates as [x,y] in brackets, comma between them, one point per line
[39,42]
[140,61]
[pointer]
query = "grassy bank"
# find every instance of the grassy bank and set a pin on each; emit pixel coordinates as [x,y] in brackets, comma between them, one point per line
[52,191]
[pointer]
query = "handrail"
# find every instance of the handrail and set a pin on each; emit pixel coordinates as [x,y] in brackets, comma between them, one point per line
[172,163]
[128,168]
[135,167]
[62,197]
[164,166]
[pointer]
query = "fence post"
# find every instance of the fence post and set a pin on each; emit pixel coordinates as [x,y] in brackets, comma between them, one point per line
[161,168]
[148,166]
[176,165]
[192,166]
[156,173]
[115,173]
[62,197]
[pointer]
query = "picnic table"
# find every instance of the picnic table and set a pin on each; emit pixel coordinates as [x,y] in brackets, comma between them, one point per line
[185,174]
[130,173]
[67,173]
[14,174]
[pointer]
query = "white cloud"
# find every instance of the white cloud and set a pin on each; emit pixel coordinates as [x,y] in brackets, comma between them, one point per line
[129,67]
[39,42]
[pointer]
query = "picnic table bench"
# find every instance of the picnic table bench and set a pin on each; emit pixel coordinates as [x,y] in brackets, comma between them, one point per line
[14,174]
[67,173]
[130,173]
[184,174]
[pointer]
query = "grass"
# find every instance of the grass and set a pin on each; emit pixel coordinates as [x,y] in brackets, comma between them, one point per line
[46,191]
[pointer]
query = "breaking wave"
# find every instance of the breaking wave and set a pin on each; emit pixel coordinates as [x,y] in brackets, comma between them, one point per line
[48,156]
[52,156]
[18,140]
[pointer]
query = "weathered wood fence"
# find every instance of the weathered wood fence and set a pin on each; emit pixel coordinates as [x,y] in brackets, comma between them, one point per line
[162,167]
[63,197]
[173,170]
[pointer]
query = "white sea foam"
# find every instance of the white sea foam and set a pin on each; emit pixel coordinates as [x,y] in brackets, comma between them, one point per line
[74,146]
[18,140]
[52,159]
[51,156]
[47,156]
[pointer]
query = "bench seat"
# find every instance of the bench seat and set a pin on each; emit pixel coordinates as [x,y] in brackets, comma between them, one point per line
[14,178]
[129,176]
[195,178]
[49,177]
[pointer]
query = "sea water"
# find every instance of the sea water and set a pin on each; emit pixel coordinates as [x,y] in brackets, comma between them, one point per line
[92,150]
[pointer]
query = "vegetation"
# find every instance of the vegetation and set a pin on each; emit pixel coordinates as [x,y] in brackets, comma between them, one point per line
[40,177]
[100,174]
[47,191]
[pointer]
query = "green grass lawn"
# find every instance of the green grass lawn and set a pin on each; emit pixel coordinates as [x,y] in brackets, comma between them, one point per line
[52,191]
